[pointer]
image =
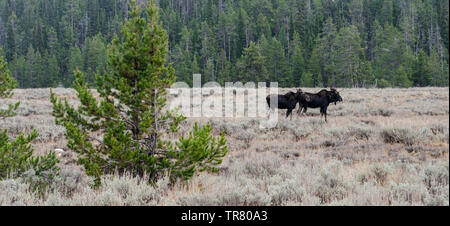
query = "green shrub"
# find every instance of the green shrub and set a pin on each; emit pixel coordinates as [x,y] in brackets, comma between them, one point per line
[382,83]
[197,152]
[16,160]
[7,84]
[16,156]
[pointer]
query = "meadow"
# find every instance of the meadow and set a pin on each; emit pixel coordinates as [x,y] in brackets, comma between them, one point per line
[379,147]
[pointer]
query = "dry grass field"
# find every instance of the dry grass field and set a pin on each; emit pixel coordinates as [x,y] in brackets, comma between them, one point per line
[379,147]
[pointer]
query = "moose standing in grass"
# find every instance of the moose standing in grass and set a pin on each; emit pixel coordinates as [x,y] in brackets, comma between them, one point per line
[318,100]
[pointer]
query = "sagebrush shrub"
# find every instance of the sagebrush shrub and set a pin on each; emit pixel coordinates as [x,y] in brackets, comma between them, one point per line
[438,129]
[380,173]
[288,191]
[435,176]
[197,199]
[407,194]
[15,192]
[401,135]
[245,135]
[330,187]
[360,132]
[302,132]
[263,166]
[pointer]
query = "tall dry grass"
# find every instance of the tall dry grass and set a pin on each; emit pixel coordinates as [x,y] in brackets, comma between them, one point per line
[379,147]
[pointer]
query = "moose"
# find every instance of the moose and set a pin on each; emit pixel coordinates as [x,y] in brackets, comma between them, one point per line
[317,100]
[286,101]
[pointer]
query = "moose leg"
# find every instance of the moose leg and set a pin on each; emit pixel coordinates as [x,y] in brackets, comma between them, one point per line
[269,112]
[288,112]
[300,109]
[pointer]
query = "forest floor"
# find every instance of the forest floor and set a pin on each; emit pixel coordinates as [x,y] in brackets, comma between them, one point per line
[379,147]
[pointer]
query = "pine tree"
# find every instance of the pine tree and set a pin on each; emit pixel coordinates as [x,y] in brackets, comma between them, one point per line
[348,56]
[439,69]
[94,57]
[75,61]
[277,65]
[252,64]
[391,56]
[297,62]
[130,111]
[7,84]
[51,75]
[423,71]
[262,26]
[33,69]
[401,78]
[209,71]
[366,76]
[38,38]
[206,28]
[243,32]
[93,14]
[386,13]
[52,40]
[16,155]
[206,51]
[315,67]
[307,80]
[325,50]
[11,42]
[186,39]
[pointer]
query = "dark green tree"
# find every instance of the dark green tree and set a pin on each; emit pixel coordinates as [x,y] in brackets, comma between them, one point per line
[348,53]
[11,39]
[7,84]
[252,64]
[392,58]
[325,51]
[94,57]
[16,155]
[51,75]
[439,68]
[33,69]
[129,114]
[423,71]
[75,61]
[262,26]
[209,30]
[297,61]
[276,62]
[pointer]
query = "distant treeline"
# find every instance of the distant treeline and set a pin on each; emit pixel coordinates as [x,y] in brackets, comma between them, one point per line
[343,43]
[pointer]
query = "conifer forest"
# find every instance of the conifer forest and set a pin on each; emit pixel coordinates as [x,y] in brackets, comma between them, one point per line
[297,43]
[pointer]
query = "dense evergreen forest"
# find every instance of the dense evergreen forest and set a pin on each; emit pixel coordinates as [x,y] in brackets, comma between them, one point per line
[345,43]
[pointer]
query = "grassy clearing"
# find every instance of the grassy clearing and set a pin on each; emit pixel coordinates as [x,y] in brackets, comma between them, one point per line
[380,147]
